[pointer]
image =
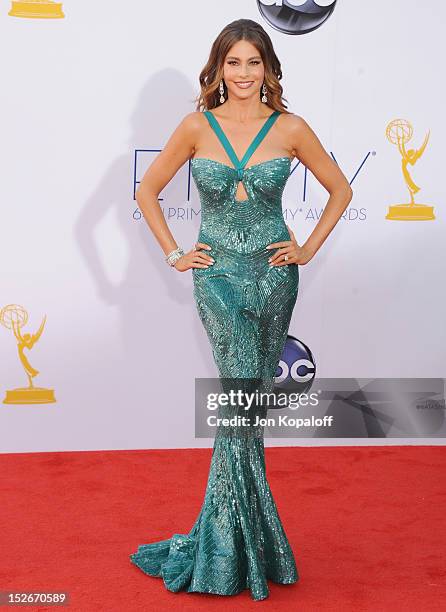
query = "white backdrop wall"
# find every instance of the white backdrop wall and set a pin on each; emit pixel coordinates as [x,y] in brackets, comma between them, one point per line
[123,343]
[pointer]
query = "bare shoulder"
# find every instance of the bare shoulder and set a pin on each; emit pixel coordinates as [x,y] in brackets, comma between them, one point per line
[187,133]
[309,150]
[294,123]
[297,130]
[191,128]
[192,122]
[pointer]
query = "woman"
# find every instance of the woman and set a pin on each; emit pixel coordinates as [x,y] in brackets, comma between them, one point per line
[245,274]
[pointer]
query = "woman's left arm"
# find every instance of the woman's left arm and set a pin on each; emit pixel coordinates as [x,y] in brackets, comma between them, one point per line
[308,149]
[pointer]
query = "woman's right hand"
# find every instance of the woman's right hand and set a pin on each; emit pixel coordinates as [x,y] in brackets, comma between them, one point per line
[195,258]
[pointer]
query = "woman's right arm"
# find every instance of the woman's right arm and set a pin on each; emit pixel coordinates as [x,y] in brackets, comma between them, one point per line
[179,148]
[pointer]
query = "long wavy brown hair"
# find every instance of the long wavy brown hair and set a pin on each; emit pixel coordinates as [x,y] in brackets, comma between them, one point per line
[212,73]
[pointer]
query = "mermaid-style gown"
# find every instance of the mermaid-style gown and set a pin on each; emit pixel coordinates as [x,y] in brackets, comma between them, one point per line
[237,540]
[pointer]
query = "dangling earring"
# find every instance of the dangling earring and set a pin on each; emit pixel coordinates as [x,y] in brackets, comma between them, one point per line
[222,91]
[264,90]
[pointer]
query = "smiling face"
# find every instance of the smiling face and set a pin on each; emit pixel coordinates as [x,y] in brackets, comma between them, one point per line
[243,70]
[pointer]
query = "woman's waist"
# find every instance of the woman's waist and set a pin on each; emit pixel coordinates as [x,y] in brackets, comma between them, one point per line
[244,264]
[243,268]
[244,243]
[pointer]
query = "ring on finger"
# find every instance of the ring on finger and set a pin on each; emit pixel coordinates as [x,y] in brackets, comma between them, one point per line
[285,257]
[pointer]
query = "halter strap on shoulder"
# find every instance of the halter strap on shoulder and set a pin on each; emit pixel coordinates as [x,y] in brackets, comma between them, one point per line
[240,164]
[222,138]
[260,136]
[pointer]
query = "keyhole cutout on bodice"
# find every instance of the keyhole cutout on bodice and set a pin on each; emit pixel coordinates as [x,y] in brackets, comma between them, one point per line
[240,193]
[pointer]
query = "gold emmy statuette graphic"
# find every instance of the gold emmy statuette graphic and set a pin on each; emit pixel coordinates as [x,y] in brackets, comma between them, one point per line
[37,9]
[398,132]
[14,317]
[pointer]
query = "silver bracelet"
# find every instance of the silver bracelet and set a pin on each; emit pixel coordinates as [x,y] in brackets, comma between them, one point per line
[174,256]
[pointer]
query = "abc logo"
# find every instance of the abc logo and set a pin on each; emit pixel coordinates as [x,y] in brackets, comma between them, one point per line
[296,16]
[297,367]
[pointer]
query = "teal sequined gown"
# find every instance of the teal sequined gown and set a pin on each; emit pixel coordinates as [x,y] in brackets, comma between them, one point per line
[237,540]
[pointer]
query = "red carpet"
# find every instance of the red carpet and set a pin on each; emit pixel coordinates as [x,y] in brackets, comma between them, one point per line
[367,526]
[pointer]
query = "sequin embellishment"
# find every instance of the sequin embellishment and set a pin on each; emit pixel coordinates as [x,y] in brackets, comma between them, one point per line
[237,541]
